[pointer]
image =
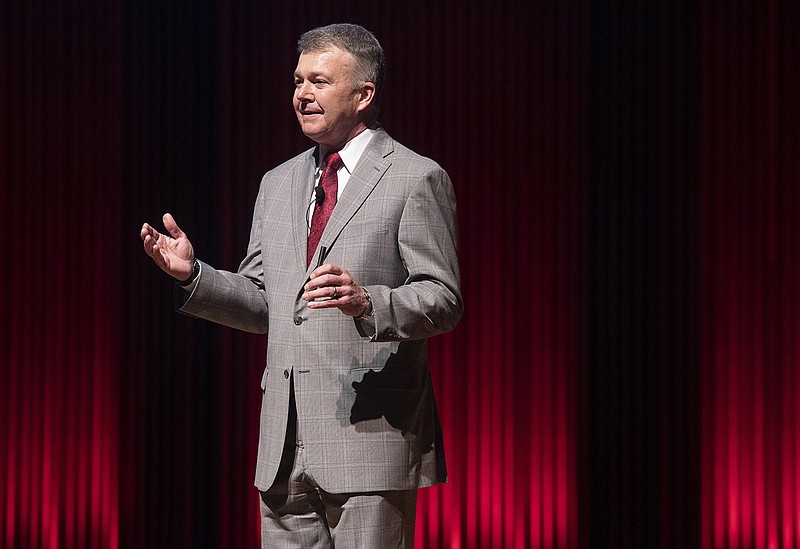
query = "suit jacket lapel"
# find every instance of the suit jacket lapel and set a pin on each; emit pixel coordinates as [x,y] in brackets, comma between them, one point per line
[368,172]
[302,185]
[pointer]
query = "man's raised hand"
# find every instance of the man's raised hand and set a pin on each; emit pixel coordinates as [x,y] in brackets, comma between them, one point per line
[173,254]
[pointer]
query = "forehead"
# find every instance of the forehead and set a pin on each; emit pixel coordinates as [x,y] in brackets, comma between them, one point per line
[331,61]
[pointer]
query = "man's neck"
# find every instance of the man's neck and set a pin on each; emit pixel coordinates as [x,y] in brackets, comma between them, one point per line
[356,131]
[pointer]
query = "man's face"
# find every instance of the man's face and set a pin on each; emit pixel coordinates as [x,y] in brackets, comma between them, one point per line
[326,99]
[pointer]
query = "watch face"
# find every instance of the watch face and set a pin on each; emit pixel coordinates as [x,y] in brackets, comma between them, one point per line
[370,310]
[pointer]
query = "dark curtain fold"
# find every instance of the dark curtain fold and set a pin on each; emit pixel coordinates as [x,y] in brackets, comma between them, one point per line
[644,288]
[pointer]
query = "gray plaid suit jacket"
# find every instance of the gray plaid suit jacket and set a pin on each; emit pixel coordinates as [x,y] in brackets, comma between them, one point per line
[365,403]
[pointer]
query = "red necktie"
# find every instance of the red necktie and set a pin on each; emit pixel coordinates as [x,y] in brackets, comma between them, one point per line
[329,182]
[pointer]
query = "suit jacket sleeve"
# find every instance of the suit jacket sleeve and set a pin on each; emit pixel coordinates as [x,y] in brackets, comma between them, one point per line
[429,302]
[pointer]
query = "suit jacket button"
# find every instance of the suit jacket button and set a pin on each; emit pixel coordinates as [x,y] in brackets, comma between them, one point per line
[298,320]
[286,374]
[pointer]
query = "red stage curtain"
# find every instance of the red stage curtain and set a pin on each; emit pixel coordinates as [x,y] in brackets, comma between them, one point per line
[751,248]
[624,374]
[60,292]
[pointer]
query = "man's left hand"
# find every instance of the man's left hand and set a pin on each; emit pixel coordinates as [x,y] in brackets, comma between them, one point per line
[332,286]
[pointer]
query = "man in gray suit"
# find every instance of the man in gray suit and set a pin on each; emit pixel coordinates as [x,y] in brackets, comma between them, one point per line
[349,426]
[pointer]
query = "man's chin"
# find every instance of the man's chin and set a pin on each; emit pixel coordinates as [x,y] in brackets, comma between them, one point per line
[318,138]
[313,137]
[311,131]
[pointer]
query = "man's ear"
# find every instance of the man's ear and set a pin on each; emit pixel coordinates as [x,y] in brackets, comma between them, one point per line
[367,95]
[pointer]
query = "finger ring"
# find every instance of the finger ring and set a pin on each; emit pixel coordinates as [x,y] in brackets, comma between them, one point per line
[334,292]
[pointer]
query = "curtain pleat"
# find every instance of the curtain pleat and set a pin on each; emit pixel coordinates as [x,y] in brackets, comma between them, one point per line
[750,246]
[61,149]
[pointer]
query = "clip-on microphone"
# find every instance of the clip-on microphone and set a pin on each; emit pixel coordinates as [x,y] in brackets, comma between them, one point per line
[319,193]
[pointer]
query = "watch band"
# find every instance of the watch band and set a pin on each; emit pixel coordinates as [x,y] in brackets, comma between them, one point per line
[192,277]
[370,310]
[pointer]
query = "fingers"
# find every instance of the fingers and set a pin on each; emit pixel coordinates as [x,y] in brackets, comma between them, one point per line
[330,296]
[332,286]
[171,226]
[327,282]
[327,276]
[328,268]
[325,288]
[149,236]
[147,230]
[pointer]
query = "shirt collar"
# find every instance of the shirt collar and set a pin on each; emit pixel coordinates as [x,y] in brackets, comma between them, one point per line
[353,149]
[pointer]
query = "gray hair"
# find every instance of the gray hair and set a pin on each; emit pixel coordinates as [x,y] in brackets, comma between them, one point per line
[358,42]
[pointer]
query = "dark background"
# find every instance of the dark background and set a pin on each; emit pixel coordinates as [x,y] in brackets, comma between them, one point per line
[627,177]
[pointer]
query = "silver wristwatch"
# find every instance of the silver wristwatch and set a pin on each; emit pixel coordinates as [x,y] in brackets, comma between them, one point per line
[370,310]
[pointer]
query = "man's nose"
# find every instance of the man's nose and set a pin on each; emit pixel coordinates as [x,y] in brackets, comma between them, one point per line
[303,92]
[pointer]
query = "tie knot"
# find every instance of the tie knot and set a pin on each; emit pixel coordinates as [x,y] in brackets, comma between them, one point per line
[333,161]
